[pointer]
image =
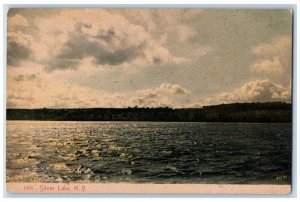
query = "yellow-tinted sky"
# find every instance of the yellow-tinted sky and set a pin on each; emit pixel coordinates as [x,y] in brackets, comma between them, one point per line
[147,57]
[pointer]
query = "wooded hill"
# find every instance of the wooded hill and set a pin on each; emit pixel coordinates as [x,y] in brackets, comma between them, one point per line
[270,112]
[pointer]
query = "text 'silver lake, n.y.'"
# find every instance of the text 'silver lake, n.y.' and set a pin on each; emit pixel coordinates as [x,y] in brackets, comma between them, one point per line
[149,100]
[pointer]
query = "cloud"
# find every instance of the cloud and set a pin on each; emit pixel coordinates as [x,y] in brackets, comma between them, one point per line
[25,77]
[109,38]
[125,38]
[165,88]
[170,22]
[272,66]
[174,89]
[253,91]
[106,47]
[97,47]
[16,21]
[38,92]
[275,58]
[166,95]
[18,47]
[19,44]
[32,87]
[170,28]
[33,91]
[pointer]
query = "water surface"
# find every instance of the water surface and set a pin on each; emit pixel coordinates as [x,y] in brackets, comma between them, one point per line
[148,152]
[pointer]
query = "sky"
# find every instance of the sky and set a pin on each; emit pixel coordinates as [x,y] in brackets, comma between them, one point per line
[179,58]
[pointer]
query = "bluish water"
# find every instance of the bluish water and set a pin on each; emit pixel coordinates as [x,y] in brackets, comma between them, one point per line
[148,152]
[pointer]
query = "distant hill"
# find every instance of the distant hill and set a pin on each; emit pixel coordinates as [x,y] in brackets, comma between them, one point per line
[270,112]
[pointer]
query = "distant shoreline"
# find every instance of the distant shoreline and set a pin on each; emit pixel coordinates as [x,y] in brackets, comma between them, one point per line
[270,112]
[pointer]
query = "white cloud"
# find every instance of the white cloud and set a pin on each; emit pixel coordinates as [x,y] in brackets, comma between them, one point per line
[87,42]
[113,37]
[275,58]
[29,90]
[166,95]
[37,93]
[165,88]
[33,90]
[109,38]
[253,91]
[16,21]
[167,21]
[170,28]
[275,47]
[174,89]
[272,66]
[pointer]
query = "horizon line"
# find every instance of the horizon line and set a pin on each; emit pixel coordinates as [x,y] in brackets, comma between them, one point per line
[166,107]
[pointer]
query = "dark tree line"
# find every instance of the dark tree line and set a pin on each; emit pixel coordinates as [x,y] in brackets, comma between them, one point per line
[237,112]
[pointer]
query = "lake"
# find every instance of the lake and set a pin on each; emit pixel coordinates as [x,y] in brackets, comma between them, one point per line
[148,152]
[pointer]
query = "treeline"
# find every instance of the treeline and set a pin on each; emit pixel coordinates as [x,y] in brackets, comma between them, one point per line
[275,112]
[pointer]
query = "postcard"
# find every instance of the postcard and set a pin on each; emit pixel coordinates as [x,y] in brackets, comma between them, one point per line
[149,100]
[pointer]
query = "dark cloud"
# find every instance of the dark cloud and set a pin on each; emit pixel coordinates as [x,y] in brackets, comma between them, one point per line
[106,35]
[31,77]
[156,60]
[101,47]
[25,77]
[16,52]
[19,78]
[62,63]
